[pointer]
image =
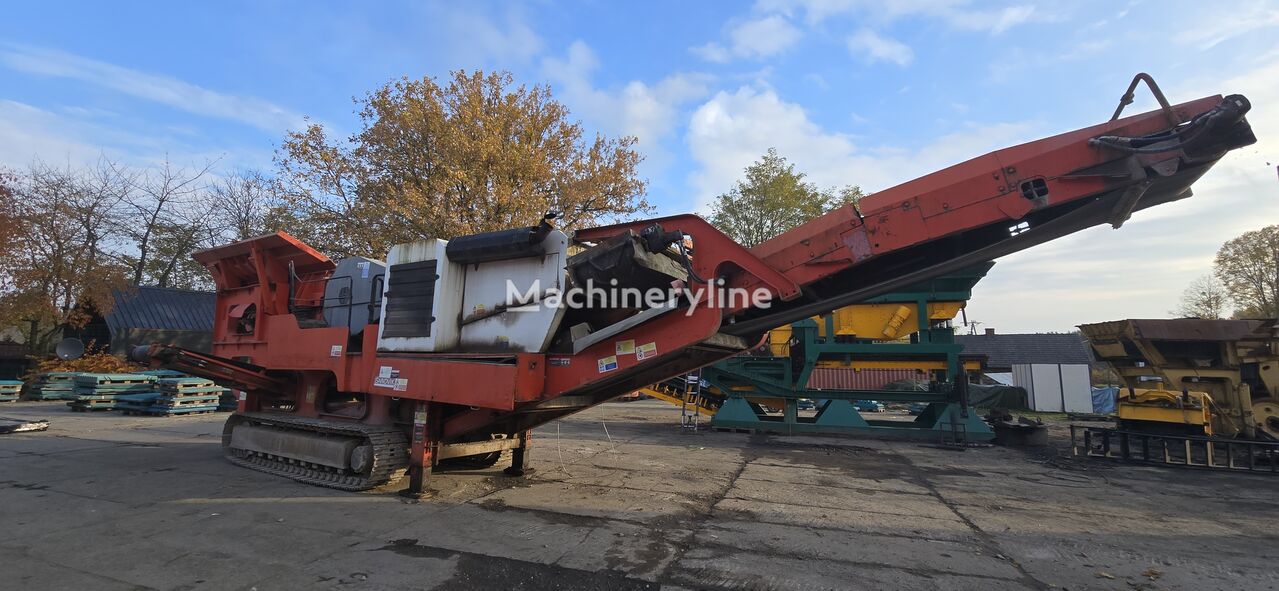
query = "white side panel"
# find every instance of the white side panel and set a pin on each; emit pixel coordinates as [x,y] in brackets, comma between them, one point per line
[487,325]
[1022,379]
[446,303]
[1047,388]
[1076,388]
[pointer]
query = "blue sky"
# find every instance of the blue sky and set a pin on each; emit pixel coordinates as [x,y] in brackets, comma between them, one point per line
[869,92]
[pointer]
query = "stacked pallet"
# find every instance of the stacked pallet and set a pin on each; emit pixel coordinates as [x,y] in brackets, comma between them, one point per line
[52,386]
[162,373]
[139,403]
[98,391]
[10,390]
[175,396]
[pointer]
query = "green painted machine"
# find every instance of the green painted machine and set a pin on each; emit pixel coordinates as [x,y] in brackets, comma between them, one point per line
[908,329]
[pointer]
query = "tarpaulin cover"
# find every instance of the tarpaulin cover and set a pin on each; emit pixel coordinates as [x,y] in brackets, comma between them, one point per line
[1009,397]
[1103,399]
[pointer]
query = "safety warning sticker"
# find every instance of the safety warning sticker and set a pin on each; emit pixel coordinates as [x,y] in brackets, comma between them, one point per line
[389,377]
[607,363]
[646,351]
[626,347]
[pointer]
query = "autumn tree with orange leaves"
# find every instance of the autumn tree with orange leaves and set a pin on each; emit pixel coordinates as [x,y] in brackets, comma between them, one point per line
[58,265]
[474,153]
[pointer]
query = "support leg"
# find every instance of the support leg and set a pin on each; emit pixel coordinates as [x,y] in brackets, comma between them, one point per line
[519,456]
[422,452]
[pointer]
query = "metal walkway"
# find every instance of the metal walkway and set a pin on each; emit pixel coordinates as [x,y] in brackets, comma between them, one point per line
[1182,451]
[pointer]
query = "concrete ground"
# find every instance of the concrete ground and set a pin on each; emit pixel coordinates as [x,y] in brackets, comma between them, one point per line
[623,499]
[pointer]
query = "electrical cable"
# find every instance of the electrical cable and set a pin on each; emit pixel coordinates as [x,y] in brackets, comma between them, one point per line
[688,264]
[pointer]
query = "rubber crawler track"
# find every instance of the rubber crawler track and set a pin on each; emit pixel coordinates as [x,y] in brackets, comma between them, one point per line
[390,452]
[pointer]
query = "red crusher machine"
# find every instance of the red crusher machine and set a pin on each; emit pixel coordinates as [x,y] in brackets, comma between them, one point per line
[451,352]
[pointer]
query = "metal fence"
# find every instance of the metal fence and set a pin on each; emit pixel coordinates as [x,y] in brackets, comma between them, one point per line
[1186,451]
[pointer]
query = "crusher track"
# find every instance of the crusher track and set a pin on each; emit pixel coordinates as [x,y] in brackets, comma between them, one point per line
[390,452]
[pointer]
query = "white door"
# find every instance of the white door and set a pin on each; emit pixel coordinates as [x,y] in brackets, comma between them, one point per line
[1076,388]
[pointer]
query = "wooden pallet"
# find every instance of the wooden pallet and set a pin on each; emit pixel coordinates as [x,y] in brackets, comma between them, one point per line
[52,386]
[57,376]
[92,405]
[10,387]
[112,379]
[188,401]
[193,391]
[163,373]
[190,396]
[188,385]
[172,412]
[42,394]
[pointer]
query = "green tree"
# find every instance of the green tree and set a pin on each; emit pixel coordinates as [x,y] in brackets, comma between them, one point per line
[1248,265]
[475,154]
[60,256]
[774,198]
[1205,298]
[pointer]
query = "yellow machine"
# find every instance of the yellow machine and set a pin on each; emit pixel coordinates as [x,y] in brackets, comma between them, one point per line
[1201,377]
[880,322]
[887,322]
[877,321]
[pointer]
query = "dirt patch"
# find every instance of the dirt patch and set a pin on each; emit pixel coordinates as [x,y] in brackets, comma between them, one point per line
[477,571]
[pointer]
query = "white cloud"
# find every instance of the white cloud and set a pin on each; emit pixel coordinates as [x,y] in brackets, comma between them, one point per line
[763,37]
[471,36]
[1213,27]
[960,14]
[649,112]
[731,130]
[1141,270]
[1095,275]
[164,90]
[993,21]
[712,52]
[756,38]
[78,136]
[873,47]
[31,133]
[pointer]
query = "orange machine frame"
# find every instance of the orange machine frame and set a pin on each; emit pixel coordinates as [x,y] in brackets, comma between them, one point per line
[955,217]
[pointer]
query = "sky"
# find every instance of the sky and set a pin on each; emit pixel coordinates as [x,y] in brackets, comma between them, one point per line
[865,92]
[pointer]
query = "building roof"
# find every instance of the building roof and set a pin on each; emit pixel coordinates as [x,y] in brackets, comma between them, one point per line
[161,308]
[1007,350]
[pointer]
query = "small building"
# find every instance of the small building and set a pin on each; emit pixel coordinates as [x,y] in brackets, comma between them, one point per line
[1054,368]
[145,315]
[13,354]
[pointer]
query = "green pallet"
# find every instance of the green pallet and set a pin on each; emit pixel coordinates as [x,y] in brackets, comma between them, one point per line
[141,401]
[99,380]
[38,395]
[83,405]
[187,384]
[94,398]
[162,373]
[171,411]
[193,390]
[164,399]
[57,376]
[52,386]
